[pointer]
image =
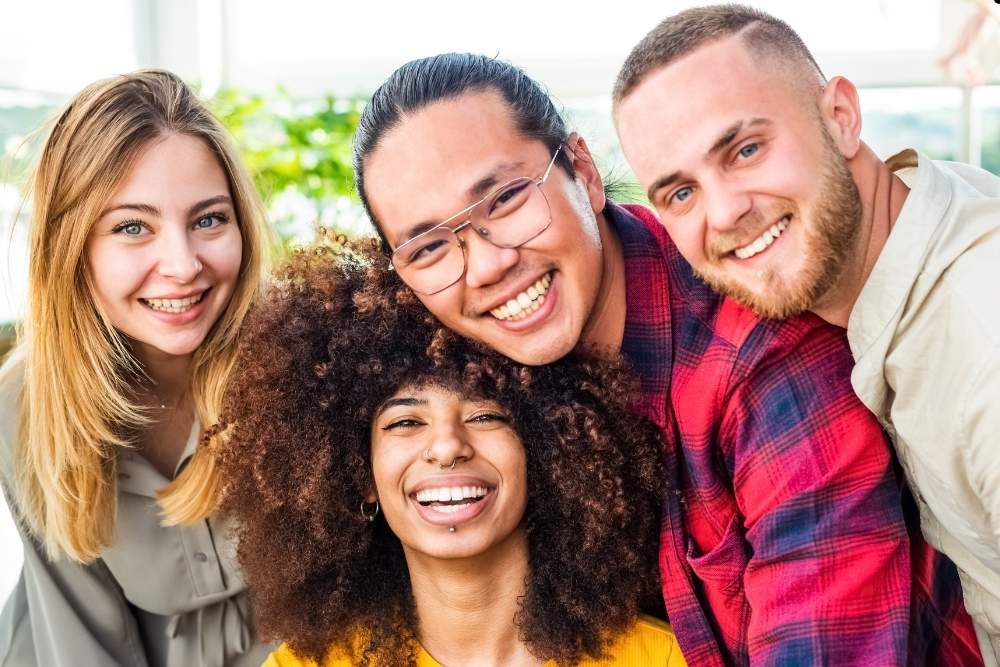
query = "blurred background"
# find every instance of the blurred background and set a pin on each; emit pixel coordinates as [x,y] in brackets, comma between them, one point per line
[289,79]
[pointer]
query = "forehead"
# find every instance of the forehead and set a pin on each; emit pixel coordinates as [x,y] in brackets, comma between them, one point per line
[173,166]
[436,390]
[424,166]
[680,107]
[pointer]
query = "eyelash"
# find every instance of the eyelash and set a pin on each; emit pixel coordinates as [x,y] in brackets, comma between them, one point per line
[670,200]
[126,223]
[409,422]
[402,423]
[217,215]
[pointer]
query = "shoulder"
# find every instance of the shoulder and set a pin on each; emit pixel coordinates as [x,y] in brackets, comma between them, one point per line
[285,657]
[970,280]
[804,339]
[649,642]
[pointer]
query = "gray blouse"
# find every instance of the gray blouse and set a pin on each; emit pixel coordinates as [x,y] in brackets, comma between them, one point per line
[158,597]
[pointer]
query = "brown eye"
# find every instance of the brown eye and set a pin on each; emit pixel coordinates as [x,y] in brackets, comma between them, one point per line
[509,199]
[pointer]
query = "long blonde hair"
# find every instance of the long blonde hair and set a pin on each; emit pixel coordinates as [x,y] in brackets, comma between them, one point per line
[76,405]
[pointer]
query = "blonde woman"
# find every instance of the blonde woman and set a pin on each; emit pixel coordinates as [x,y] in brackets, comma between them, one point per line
[146,250]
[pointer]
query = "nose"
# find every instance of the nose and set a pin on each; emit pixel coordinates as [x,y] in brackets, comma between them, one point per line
[178,256]
[485,263]
[725,204]
[449,446]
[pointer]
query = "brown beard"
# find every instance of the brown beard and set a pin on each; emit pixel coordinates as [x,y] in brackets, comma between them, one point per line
[828,242]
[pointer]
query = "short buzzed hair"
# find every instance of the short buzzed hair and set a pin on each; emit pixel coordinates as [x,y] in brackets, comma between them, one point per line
[684,33]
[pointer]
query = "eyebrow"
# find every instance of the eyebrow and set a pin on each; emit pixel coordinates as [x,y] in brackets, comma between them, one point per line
[147,209]
[474,193]
[405,401]
[725,139]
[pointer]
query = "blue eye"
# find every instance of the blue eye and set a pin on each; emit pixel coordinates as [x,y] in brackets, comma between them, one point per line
[210,221]
[129,228]
[749,150]
[682,195]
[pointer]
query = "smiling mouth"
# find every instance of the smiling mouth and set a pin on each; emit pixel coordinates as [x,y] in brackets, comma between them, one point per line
[449,500]
[764,241]
[174,305]
[526,302]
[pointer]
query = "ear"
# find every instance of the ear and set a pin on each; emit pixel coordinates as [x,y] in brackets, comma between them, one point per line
[583,164]
[841,113]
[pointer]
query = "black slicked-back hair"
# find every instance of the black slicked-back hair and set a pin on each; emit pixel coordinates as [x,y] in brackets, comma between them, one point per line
[420,83]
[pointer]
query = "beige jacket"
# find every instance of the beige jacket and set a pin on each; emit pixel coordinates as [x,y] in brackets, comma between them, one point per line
[158,597]
[925,332]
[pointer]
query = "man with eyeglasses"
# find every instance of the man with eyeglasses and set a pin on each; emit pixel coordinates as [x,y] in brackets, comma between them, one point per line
[783,537]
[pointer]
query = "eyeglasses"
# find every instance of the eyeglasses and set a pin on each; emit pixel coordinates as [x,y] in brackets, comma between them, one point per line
[508,217]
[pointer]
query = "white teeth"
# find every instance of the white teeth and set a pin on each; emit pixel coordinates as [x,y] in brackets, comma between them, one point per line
[450,494]
[526,302]
[762,241]
[450,509]
[173,305]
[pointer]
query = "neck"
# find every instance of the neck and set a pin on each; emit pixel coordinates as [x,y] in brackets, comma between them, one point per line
[882,196]
[466,606]
[170,374]
[605,329]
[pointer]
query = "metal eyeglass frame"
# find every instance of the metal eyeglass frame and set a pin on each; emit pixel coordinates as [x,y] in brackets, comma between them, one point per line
[539,181]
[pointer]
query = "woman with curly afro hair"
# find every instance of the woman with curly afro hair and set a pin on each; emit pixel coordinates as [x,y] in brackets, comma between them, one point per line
[401,493]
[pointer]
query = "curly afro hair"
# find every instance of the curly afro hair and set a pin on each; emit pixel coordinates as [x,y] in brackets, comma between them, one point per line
[334,337]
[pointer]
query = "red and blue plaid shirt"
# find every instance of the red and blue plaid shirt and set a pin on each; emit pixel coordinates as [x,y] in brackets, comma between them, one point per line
[784,539]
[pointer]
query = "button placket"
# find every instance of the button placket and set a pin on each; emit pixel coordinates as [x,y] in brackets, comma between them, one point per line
[203,562]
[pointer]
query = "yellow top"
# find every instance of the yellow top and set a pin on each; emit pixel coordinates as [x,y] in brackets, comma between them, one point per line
[649,642]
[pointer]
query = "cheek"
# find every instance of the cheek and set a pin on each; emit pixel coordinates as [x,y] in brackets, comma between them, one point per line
[515,469]
[446,305]
[388,466]
[115,271]
[689,238]
[225,255]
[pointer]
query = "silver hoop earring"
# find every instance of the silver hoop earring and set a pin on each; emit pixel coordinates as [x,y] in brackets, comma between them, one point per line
[369,517]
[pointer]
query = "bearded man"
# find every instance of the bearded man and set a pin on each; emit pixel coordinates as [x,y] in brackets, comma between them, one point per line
[754,162]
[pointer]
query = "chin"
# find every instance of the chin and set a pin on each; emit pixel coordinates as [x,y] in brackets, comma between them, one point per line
[533,358]
[176,348]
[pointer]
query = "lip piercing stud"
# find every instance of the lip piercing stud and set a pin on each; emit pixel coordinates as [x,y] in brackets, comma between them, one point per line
[452,529]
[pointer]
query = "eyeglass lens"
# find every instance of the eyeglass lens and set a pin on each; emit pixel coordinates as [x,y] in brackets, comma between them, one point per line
[510,216]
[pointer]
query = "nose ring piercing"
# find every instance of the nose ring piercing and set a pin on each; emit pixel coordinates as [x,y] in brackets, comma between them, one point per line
[451,467]
[427,455]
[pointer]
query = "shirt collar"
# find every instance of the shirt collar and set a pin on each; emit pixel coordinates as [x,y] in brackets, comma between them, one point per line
[884,294]
[136,475]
